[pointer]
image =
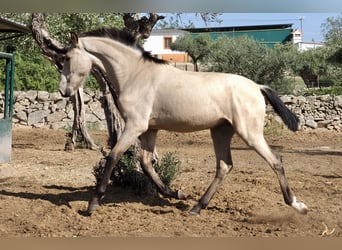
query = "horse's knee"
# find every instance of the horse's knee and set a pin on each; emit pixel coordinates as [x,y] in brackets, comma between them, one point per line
[277,166]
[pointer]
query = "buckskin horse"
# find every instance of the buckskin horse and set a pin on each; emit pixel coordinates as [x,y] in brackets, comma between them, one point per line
[153,95]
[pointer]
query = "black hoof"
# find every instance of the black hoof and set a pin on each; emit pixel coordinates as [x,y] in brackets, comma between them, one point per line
[93,204]
[84,213]
[195,210]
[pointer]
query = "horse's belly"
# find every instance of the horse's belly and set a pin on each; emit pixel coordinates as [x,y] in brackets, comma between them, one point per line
[185,110]
[184,125]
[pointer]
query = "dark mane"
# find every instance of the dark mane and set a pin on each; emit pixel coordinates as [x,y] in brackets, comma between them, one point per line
[123,37]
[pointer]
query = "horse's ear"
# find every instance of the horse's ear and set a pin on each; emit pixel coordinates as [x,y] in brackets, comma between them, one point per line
[73,38]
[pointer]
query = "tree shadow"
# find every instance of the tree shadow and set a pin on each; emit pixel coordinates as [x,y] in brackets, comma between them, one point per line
[331,176]
[318,152]
[114,195]
[59,199]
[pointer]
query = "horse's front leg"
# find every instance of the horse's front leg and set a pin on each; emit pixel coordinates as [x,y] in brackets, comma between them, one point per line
[127,138]
[148,141]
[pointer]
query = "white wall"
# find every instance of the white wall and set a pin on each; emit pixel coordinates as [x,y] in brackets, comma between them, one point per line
[303,46]
[155,42]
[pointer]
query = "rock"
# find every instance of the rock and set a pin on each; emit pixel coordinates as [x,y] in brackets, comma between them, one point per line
[97,110]
[87,95]
[43,96]
[31,95]
[61,125]
[60,104]
[338,101]
[19,95]
[54,97]
[56,116]
[288,99]
[323,124]
[36,117]
[21,116]
[311,123]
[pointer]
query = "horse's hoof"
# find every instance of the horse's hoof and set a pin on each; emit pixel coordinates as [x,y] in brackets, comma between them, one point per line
[193,213]
[93,204]
[195,210]
[181,195]
[299,206]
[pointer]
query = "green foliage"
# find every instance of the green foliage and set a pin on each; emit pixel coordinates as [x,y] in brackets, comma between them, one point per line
[168,167]
[245,56]
[313,61]
[126,174]
[274,128]
[332,30]
[197,47]
[35,72]
[334,90]
[60,24]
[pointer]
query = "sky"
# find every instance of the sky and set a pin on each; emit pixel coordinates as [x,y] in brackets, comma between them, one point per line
[311,22]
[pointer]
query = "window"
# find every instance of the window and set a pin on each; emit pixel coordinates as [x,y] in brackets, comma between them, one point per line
[167,42]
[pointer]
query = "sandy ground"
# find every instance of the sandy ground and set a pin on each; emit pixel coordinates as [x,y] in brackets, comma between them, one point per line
[44,189]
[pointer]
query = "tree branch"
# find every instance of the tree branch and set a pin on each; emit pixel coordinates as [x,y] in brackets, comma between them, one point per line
[50,47]
[140,28]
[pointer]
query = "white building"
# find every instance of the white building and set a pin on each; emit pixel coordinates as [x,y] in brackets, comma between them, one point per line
[159,44]
[303,46]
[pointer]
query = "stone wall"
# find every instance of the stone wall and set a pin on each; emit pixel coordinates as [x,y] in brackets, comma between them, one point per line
[316,111]
[50,110]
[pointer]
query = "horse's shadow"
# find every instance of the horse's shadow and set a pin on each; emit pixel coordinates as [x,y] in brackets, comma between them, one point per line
[114,195]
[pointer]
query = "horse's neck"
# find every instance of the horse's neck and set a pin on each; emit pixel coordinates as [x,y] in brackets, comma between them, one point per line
[117,60]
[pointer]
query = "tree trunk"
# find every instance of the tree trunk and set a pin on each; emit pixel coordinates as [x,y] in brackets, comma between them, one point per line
[79,124]
[140,27]
[52,49]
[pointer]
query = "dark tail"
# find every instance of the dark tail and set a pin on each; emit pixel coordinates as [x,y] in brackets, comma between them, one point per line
[289,118]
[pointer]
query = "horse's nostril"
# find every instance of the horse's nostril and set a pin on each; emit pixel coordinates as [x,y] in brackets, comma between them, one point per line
[66,93]
[61,92]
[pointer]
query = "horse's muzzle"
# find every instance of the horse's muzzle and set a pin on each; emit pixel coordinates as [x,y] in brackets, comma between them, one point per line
[65,93]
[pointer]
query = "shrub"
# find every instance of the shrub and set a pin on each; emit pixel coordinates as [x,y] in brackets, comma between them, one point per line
[168,167]
[334,90]
[127,172]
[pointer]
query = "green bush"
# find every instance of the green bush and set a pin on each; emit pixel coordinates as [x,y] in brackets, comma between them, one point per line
[126,174]
[168,167]
[334,90]
[34,72]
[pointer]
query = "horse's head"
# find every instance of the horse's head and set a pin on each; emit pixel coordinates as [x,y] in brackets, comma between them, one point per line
[76,68]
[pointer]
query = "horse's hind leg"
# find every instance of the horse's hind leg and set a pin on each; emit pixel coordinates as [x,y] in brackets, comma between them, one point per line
[254,137]
[221,136]
[148,141]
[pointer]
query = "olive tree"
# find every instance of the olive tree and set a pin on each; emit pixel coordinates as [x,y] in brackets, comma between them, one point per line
[197,47]
[245,56]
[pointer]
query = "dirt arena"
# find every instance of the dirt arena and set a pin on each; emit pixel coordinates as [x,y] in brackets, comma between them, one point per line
[44,189]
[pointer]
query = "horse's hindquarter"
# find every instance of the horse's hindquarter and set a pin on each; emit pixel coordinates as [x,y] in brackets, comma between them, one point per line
[188,101]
